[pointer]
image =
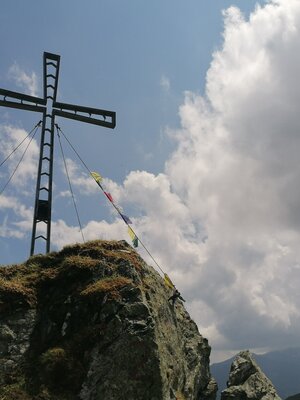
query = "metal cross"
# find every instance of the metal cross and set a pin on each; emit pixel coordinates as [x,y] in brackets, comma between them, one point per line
[43,197]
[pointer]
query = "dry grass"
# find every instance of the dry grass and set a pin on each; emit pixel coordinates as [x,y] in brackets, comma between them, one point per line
[14,289]
[80,262]
[49,260]
[13,392]
[93,247]
[180,396]
[19,282]
[61,372]
[133,258]
[110,285]
[22,282]
[53,355]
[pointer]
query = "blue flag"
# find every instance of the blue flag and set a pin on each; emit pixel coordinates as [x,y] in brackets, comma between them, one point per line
[126,219]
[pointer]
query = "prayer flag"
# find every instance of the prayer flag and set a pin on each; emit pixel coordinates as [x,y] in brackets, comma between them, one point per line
[135,242]
[168,282]
[109,196]
[133,237]
[98,178]
[131,233]
[126,219]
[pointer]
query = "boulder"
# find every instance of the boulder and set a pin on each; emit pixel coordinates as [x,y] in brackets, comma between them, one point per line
[247,381]
[94,322]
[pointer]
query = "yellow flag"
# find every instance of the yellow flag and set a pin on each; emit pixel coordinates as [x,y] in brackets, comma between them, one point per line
[98,178]
[168,282]
[131,233]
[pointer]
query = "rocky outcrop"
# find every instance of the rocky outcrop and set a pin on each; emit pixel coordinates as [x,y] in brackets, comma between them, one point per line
[94,322]
[247,381]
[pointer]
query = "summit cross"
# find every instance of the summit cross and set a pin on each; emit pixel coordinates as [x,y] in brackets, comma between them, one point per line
[43,197]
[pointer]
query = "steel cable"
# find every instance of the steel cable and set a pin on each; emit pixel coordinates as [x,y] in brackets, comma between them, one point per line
[70,186]
[18,164]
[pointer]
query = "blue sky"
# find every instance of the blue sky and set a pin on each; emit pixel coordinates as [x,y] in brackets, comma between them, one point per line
[204,157]
[134,58]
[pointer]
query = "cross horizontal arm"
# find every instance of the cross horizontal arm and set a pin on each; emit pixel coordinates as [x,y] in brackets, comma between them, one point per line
[59,109]
[22,97]
[31,102]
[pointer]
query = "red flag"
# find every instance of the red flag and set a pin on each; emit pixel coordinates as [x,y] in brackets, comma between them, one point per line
[109,196]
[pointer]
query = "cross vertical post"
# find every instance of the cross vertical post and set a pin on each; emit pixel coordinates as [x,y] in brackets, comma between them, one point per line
[50,108]
[43,195]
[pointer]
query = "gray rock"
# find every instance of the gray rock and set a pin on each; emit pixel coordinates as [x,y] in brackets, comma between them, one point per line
[247,381]
[6,334]
[15,331]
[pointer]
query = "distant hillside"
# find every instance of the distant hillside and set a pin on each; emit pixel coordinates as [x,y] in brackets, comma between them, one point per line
[282,367]
[296,397]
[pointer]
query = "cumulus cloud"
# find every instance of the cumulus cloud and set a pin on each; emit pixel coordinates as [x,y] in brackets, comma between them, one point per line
[27,82]
[236,169]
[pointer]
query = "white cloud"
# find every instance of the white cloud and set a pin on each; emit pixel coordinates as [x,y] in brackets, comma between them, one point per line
[17,181]
[236,168]
[28,82]
[165,83]
[25,173]
[64,234]
[9,227]
[6,231]
[85,184]
[64,193]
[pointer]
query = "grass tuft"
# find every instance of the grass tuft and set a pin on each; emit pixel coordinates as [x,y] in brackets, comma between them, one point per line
[16,290]
[60,371]
[110,285]
[80,262]
[180,396]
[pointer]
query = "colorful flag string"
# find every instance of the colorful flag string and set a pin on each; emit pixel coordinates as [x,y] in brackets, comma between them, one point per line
[98,178]
[133,236]
[135,240]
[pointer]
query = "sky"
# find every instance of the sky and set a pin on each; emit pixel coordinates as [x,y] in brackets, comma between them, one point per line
[204,158]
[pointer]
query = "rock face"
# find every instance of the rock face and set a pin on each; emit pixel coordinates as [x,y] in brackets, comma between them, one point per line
[247,381]
[93,322]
